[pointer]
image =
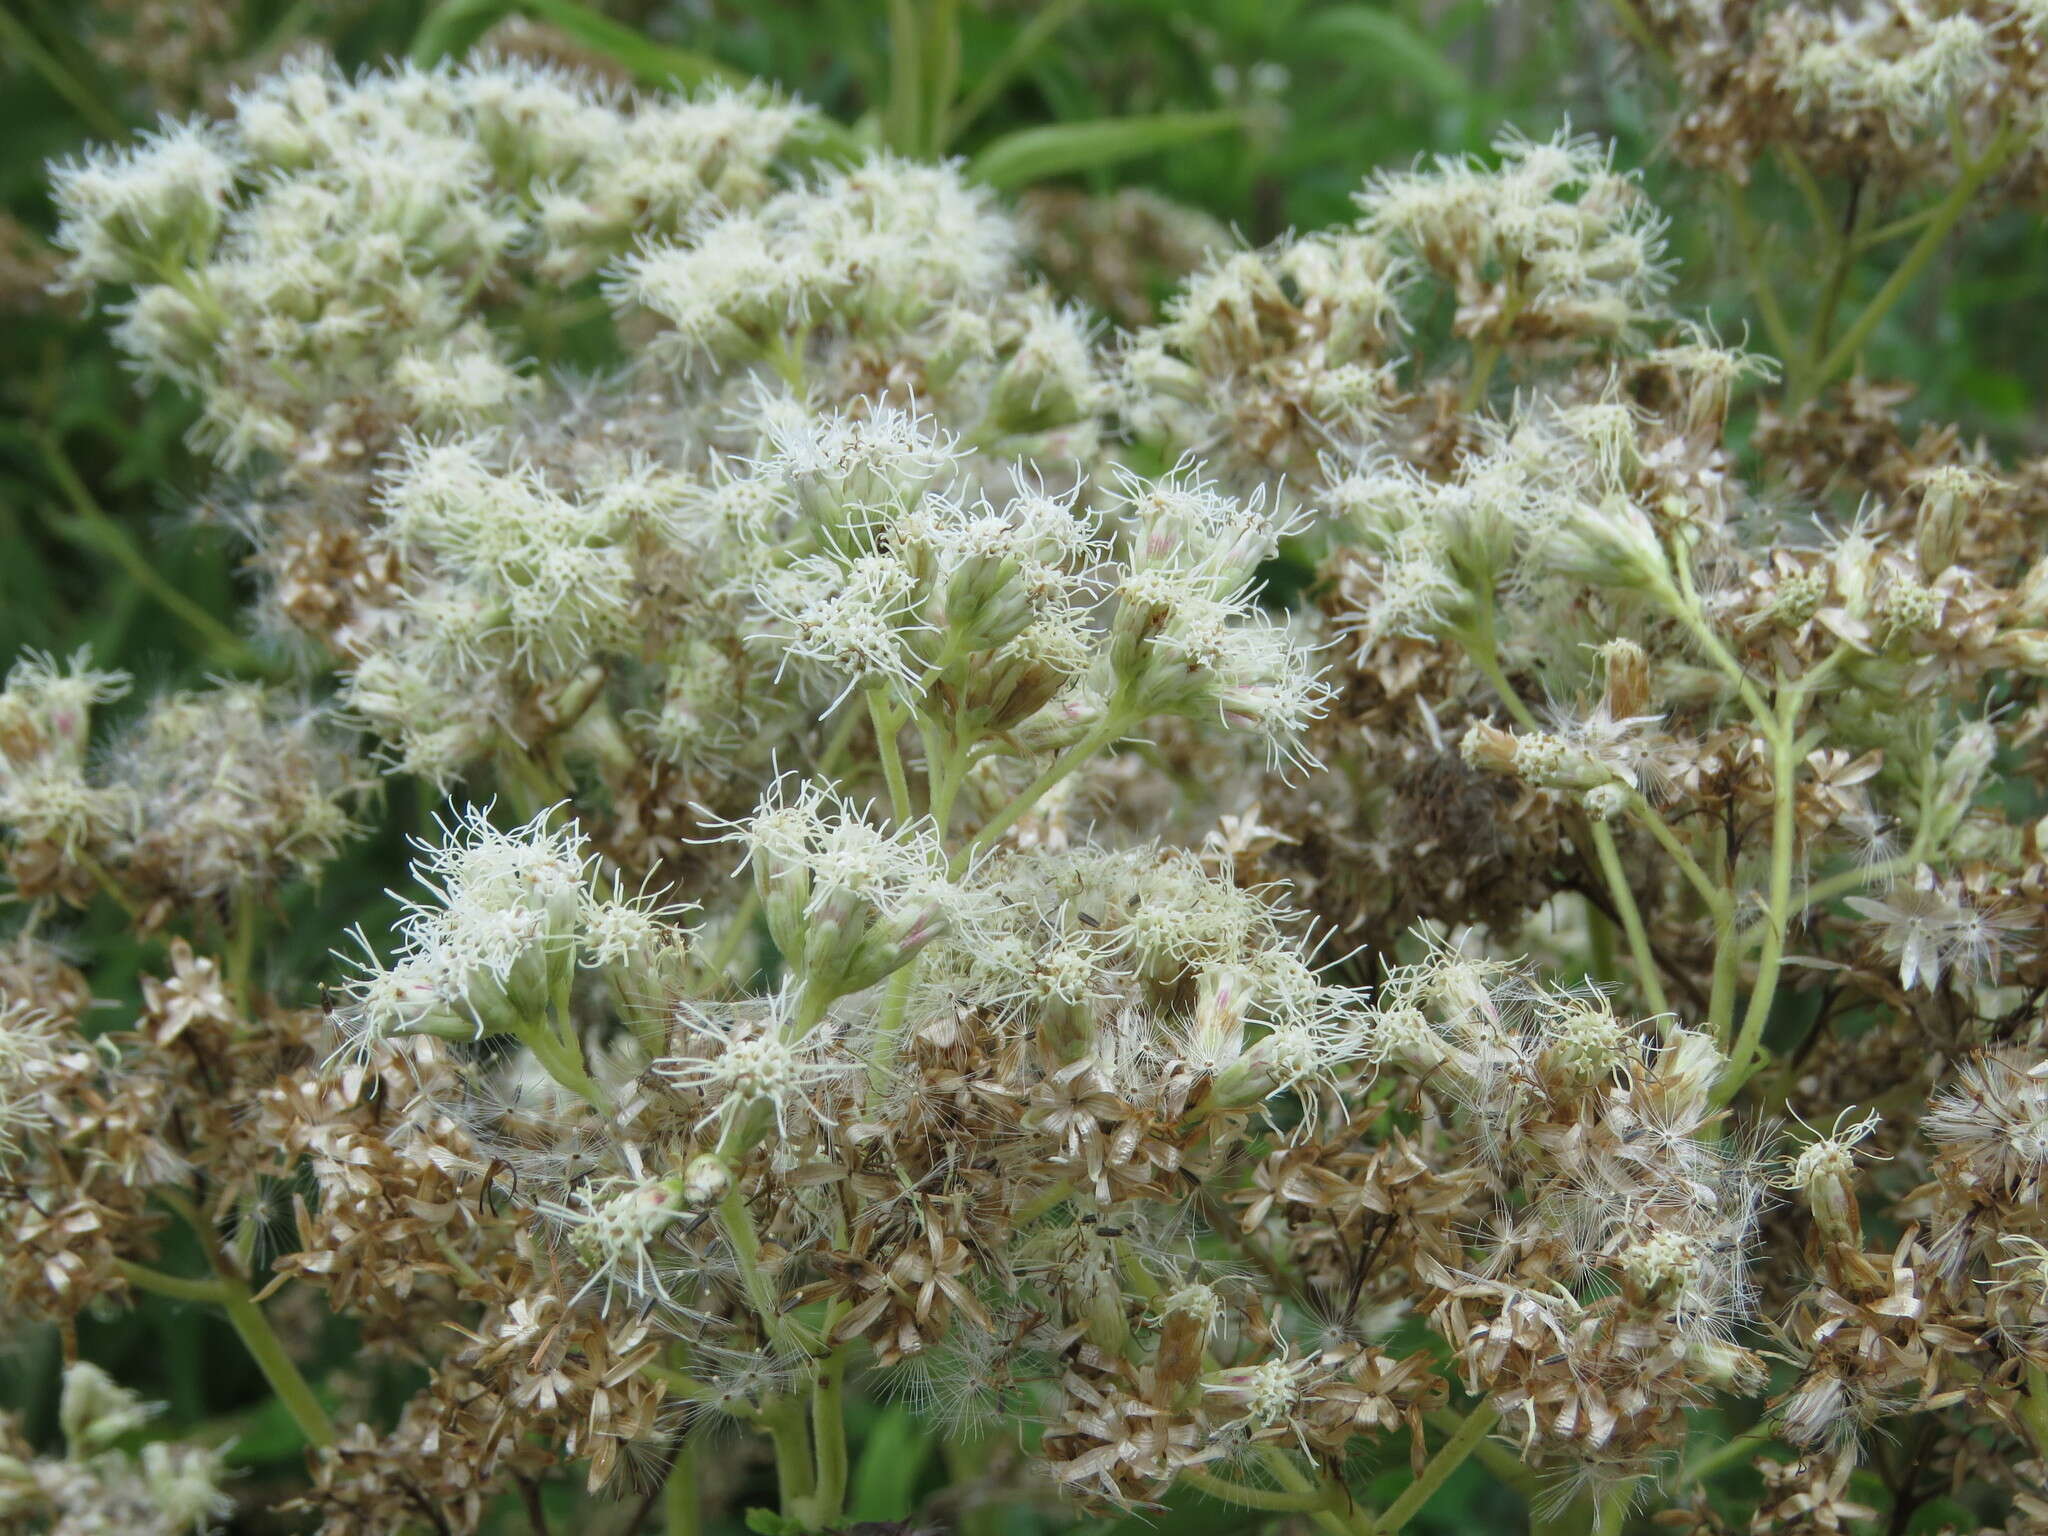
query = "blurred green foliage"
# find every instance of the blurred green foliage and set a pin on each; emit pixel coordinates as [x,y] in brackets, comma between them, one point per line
[1266,114]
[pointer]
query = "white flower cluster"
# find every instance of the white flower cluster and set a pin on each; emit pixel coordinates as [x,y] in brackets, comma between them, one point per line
[495,948]
[162,1489]
[329,242]
[1908,67]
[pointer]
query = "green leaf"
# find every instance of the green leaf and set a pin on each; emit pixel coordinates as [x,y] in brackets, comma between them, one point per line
[455,25]
[1384,40]
[765,1522]
[452,28]
[890,1461]
[1032,154]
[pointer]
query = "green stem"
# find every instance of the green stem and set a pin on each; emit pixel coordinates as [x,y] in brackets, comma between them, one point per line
[1504,1465]
[1728,949]
[251,1326]
[681,1510]
[561,1055]
[828,1435]
[1033,35]
[1747,1055]
[1475,1428]
[736,1220]
[1725,1453]
[888,723]
[92,528]
[1485,358]
[177,1287]
[1944,218]
[1338,1516]
[906,78]
[1278,1500]
[795,1477]
[1750,243]
[1483,649]
[268,1351]
[23,45]
[1099,736]
[2033,1406]
[1631,916]
[1715,898]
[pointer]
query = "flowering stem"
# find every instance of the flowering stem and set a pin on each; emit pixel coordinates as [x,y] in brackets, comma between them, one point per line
[828,1433]
[737,1222]
[1106,730]
[2033,1407]
[1947,213]
[1484,653]
[1246,1497]
[887,724]
[1332,1516]
[680,1512]
[794,1475]
[1717,1457]
[1749,243]
[93,528]
[1451,1456]
[1746,1057]
[561,1055]
[177,1287]
[250,1325]
[1715,898]
[1631,915]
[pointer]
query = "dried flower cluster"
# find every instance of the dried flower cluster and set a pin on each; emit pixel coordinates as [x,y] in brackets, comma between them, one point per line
[917,918]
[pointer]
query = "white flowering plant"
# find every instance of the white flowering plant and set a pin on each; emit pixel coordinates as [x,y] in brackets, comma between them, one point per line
[1252,912]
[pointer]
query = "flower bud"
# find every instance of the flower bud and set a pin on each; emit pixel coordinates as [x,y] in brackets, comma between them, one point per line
[705,1180]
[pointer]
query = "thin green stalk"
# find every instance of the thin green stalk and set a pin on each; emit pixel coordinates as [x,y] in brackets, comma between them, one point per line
[681,1510]
[1728,949]
[1101,735]
[1638,29]
[268,1351]
[1505,1467]
[1485,358]
[1339,1517]
[2033,1408]
[1631,916]
[1682,603]
[942,72]
[1946,215]
[1277,1500]
[905,116]
[246,922]
[889,1026]
[1840,884]
[23,44]
[1800,174]
[1046,20]
[1483,650]
[795,1477]
[1744,1059]
[736,1221]
[888,724]
[1884,234]
[561,1056]
[177,1287]
[1477,1425]
[1750,243]
[828,1436]
[92,527]
[252,1327]
[1726,1453]
[1714,896]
